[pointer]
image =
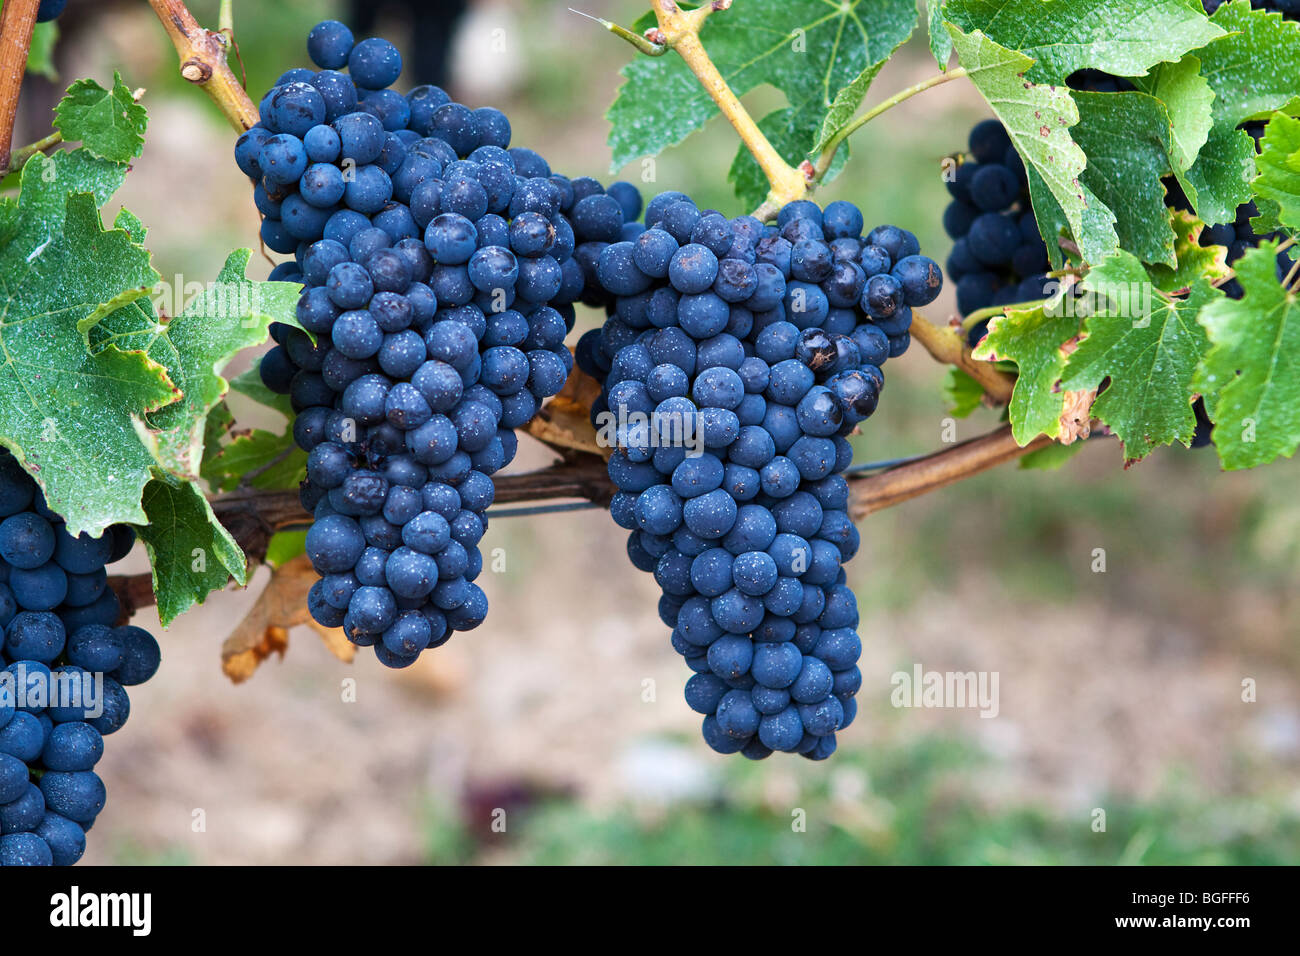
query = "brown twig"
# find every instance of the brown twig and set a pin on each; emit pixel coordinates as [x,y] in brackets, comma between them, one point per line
[17,20]
[904,482]
[252,516]
[945,345]
[680,30]
[203,62]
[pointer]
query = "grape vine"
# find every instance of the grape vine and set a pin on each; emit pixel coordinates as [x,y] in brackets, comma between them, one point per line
[1122,263]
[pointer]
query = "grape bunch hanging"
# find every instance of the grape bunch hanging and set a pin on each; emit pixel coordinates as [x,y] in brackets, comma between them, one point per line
[736,359]
[438,273]
[66,667]
[440,268]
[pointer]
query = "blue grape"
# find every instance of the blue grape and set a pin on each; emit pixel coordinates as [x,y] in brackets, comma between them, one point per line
[374,63]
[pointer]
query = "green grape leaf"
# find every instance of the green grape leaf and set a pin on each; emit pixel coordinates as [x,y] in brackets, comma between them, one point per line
[1034,339]
[1267,219]
[1124,37]
[1148,348]
[218,424]
[230,314]
[1251,375]
[1219,180]
[940,42]
[1098,222]
[807,49]
[108,123]
[1189,101]
[1253,67]
[191,553]
[1252,71]
[1039,120]
[69,415]
[1279,176]
[1194,261]
[40,55]
[274,461]
[791,132]
[284,546]
[1050,457]
[850,97]
[962,393]
[1128,141]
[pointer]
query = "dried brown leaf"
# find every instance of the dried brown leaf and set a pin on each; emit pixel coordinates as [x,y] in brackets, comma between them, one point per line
[265,628]
[1076,415]
[565,421]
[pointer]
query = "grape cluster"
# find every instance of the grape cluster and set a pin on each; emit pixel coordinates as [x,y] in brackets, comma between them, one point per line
[736,359]
[707,275]
[57,613]
[998,256]
[439,280]
[50,10]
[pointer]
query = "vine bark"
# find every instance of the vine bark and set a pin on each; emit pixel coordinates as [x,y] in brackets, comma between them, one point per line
[253,516]
[17,21]
[203,62]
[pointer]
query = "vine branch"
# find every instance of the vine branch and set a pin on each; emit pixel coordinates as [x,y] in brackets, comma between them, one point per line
[943,468]
[17,21]
[253,516]
[950,348]
[203,62]
[643,44]
[680,29]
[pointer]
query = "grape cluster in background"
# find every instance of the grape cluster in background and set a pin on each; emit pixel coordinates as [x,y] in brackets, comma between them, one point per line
[439,272]
[58,616]
[764,343]
[50,10]
[998,257]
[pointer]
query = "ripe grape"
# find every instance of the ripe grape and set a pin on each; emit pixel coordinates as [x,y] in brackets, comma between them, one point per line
[439,271]
[750,351]
[59,642]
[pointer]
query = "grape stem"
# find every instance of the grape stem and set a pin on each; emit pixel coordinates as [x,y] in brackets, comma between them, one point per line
[680,29]
[950,348]
[827,156]
[1291,274]
[252,516]
[17,21]
[203,62]
[644,44]
[18,159]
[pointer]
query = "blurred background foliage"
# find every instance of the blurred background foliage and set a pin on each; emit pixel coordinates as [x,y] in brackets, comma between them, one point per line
[1120,690]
